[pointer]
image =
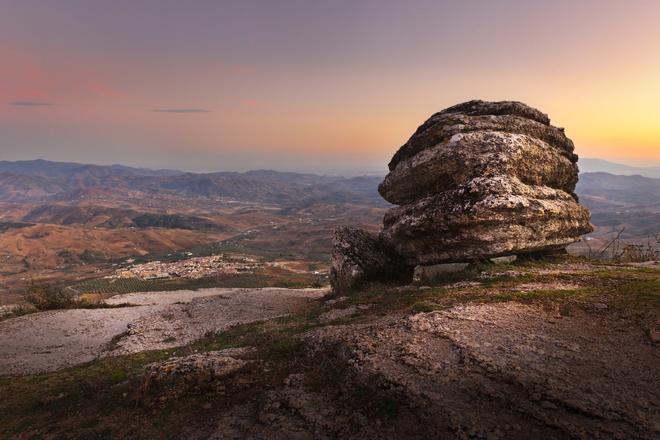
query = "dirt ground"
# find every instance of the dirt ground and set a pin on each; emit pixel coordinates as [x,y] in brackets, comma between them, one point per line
[48,341]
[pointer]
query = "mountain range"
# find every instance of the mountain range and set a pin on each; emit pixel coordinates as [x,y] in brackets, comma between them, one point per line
[590,165]
[54,216]
[42,181]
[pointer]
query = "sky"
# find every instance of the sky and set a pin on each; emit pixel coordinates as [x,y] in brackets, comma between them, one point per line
[322,86]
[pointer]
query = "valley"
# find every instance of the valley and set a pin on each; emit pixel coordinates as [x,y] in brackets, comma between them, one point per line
[80,233]
[60,224]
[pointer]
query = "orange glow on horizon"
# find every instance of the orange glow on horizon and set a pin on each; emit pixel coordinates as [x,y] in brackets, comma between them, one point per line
[352,94]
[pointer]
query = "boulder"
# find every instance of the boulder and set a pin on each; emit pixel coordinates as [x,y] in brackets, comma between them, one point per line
[478,180]
[359,257]
[199,367]
[487,217]
[179,375]
[505,116]
[486,153]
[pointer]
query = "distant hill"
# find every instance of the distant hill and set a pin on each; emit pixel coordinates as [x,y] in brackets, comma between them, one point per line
[42,181]
[69,170]
[20,187]
[618,202]
[588,165]
[608,191]
[116,218]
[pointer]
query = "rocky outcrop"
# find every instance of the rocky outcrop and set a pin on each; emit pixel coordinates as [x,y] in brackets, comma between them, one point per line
[169,379]
[475,181]
[466,156]
[521,120]
[360,256]
[487,217]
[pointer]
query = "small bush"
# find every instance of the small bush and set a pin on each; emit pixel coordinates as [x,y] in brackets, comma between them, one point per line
[43,297]
[621,251]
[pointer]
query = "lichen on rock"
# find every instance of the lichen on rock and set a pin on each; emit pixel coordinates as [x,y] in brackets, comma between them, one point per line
[485,153]
[487,217]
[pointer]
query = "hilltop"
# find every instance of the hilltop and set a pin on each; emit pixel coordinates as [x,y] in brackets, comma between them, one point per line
[570,352]
[591,165]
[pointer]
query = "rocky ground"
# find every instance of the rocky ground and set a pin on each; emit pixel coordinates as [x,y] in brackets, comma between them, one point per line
[48,341]
[526,350]
[507,370]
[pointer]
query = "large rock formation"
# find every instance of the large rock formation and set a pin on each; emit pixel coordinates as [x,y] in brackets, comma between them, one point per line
[477,180]
[488,153]
[486,217]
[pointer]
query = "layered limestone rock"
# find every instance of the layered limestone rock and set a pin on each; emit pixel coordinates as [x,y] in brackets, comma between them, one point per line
[360,256]
[475,181]
[487,217]
[472,116]
[466,156]
[464,142]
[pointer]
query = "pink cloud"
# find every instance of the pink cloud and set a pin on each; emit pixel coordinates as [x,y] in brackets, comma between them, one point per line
[252,102]
[27,77]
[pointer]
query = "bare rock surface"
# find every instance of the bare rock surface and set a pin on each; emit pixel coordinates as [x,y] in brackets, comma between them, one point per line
[48,341]
[360,256]
[485,218]
[493,371]
[500,371]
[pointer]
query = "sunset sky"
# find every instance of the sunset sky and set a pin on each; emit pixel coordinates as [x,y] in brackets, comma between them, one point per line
[332,86]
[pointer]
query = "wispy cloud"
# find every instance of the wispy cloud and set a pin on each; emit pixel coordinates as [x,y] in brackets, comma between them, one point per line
[181,110]
[31,104]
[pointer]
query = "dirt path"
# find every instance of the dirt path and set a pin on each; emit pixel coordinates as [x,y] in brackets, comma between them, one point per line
[52,340]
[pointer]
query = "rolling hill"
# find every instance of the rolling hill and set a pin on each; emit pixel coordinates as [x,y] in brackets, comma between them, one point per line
[590,165]
[622,202]
[42,182]
[113,218]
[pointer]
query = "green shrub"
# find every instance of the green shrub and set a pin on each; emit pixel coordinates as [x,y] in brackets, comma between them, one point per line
[44,297]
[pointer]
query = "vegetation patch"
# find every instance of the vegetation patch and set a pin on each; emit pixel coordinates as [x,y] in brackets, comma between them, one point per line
[101,399]
[49,297]
[273,278]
